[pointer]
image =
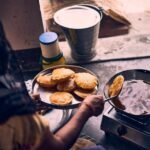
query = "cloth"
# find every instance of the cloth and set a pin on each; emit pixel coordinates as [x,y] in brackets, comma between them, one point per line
[98,147]
[25,132]
[82,142]
[18,128]
[86,143]
[49,7]
[14,98]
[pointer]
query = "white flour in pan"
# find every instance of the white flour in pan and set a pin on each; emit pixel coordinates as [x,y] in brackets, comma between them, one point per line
[135,95]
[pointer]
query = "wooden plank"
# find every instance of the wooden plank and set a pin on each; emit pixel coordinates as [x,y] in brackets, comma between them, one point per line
[110,27]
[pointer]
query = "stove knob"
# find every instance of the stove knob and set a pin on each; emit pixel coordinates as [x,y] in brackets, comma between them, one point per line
[121,130]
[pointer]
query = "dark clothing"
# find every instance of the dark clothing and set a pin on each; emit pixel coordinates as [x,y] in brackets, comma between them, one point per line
[98,147]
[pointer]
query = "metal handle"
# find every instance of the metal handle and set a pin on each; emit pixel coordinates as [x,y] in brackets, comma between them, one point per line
[100,10]
[110,98]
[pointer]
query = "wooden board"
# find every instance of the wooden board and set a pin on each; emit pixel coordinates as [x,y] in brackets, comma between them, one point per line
[110,27]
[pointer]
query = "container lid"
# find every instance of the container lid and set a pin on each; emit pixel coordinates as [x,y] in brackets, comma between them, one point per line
[48,38]
[77,17]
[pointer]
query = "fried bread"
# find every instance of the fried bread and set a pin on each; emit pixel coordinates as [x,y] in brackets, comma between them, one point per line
[61,98]
[62,74]
[46,81]
[86,81]
[84,93]
[66,86]
[116,86]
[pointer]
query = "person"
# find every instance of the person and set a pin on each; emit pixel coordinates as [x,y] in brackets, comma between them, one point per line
[21,127]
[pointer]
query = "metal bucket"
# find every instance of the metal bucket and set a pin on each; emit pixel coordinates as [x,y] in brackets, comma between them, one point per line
[81,26]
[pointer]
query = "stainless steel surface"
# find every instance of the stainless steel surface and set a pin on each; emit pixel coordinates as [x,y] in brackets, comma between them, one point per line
[137,74]
[138,135]
[82,41]
[45,93]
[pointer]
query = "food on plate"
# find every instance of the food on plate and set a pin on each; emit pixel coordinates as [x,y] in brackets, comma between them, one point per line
[116,86]
[62,74]
[84,93]
[66,86]
[46,81]
[61,98]
[86,81]
[64,83]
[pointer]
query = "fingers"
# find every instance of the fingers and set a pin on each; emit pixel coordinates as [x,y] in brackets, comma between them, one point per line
[35,96]
[95,99]
[96,103]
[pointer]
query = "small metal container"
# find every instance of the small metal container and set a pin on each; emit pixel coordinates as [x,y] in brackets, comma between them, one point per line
[51,53]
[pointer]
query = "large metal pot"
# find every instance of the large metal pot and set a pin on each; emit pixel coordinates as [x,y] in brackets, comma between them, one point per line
[135,74]
[81,24]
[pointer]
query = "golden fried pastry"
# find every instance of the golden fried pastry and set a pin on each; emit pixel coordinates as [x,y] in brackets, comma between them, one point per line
[84,93]
[66,86]
[116,86]
[61,98]
[85,81]
[46,81]
[62,74]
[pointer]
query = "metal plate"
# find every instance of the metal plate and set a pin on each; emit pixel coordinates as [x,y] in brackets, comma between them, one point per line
[45,94]
[136,74]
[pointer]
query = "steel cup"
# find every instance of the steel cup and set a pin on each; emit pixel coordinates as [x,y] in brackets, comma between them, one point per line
[81,27]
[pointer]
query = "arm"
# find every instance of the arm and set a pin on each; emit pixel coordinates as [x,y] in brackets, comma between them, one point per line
[69,133]
[66,136]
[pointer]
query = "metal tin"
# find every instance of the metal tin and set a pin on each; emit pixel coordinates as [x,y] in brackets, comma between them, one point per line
[49,44]
[51,54]
[81,34]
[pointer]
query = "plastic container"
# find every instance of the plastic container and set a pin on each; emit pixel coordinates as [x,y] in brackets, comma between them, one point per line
[51,53]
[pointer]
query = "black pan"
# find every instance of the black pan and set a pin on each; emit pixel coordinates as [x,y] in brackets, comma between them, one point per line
[129,75]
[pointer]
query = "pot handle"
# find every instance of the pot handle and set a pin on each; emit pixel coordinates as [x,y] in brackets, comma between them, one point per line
[100,10]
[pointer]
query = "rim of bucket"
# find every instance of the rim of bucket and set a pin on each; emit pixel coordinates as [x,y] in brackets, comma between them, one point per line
[62,11]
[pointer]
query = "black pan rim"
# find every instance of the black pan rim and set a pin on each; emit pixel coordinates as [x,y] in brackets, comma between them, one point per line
[122,73]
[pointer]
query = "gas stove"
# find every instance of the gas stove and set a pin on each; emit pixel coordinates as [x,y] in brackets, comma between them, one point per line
[136,131]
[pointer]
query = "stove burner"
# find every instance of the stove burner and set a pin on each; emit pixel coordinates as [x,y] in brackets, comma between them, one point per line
[139,121]
[133,130]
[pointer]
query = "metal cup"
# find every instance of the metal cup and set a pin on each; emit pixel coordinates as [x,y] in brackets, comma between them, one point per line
[81,36]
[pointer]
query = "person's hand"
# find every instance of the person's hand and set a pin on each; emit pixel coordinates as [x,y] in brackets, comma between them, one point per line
[35,96]
[95,104]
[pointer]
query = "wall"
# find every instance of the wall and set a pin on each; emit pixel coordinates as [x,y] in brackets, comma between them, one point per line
[22,22]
